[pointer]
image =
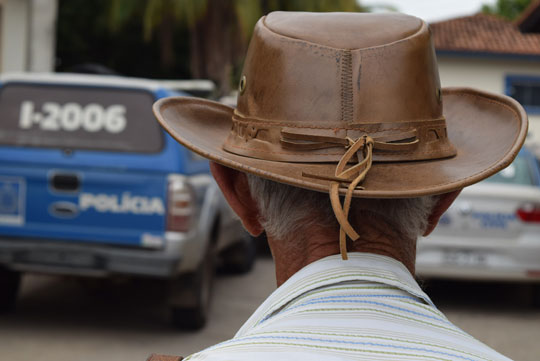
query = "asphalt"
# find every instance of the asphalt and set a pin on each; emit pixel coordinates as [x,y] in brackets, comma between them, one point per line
[59,319]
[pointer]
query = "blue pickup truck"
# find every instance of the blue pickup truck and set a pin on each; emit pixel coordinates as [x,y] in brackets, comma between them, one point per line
[90,185]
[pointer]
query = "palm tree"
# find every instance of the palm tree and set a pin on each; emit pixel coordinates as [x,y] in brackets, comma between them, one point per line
[219,29]
[157,16]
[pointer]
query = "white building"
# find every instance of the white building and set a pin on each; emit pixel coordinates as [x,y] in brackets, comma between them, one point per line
[27,35]
[495,55]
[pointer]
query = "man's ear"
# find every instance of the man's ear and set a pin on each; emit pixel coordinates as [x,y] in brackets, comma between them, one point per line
[445,200]
[235,188]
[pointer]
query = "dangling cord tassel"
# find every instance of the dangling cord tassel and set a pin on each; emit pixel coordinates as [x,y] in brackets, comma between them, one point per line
[354,175]
[342,211]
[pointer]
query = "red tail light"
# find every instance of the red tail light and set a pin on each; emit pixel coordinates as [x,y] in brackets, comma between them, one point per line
[181,203]
[529,212]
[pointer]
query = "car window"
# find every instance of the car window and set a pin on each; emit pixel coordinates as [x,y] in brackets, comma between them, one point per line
[517,172]
[76,117]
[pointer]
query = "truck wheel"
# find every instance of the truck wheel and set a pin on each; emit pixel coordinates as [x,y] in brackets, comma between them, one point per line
[191,304]
[240,257]
[9,286]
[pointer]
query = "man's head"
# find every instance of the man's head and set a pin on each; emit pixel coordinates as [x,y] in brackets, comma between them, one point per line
[297,220]
[347,106]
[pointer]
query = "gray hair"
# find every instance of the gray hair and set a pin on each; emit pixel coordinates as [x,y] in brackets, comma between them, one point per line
[287,211]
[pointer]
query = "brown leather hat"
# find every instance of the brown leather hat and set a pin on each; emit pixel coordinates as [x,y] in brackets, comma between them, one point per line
[350,103]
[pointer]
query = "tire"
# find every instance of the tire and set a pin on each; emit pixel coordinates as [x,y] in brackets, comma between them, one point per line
[240,257]
[192,296]
[9,285]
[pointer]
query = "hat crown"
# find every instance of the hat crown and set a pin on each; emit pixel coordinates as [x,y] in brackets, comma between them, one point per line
[338,75]
[331,68]
[343,30]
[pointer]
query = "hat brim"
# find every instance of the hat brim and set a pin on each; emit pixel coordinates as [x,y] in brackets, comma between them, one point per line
[487,129]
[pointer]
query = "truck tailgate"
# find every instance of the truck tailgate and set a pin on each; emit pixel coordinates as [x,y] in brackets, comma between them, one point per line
[112,206]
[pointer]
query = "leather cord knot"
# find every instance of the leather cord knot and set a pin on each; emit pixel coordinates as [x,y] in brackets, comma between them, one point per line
[354,175]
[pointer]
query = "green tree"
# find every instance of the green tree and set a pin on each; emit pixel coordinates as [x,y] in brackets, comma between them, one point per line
[83,36]
[508,9]
[218,29]
[157,16]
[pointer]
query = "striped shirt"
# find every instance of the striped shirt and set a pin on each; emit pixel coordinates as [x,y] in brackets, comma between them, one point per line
[367,308]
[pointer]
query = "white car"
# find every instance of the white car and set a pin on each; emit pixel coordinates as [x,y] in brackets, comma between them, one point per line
[491,232]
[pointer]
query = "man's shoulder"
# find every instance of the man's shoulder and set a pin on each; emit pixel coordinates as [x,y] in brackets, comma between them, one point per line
[353,321]
[275,346]
[368,308]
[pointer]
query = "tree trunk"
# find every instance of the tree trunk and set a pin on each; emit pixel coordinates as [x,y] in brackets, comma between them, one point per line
[166,42]
[214,46]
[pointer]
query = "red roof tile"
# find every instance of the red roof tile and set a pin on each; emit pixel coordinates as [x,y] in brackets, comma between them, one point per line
[484,33]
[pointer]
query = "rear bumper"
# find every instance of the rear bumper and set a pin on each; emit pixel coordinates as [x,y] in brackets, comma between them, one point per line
[450,258]
[94,259]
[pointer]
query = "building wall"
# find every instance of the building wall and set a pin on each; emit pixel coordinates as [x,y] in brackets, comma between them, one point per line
[490,75]
[14,35]
[27,35]
[42,31]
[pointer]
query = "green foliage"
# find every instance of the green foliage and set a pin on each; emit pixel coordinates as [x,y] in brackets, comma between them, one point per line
[316,5]
[248,13]
[84,35]
[189,12]
[167,38]
[508,9]
[120,12]
[153,13]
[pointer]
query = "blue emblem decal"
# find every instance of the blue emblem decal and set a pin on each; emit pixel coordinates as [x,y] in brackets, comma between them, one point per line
[494,220]
[12,193]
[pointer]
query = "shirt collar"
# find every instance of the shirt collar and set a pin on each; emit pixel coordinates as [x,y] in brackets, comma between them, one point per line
[331,270]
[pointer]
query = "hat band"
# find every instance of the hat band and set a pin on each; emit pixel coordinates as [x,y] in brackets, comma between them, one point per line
[284,141]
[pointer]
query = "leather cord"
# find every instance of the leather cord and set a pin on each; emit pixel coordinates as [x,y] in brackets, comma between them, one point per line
[353,176]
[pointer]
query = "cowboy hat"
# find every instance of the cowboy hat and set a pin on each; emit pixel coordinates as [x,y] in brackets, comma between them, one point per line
[350,102]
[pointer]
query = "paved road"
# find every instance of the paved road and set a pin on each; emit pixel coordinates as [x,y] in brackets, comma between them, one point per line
[62,319]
